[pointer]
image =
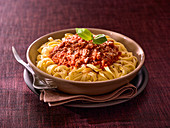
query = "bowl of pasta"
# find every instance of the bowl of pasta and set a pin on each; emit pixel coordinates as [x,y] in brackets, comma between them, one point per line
[85,61]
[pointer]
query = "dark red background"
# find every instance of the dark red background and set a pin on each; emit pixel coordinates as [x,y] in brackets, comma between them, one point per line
[145,21]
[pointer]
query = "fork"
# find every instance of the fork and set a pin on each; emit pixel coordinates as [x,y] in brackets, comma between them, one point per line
[37,83]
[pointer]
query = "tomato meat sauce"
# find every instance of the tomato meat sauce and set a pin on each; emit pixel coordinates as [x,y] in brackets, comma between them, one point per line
[74,51]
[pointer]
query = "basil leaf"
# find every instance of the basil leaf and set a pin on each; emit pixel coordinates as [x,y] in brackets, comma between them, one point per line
[84,33]
[87,35]
[99,39]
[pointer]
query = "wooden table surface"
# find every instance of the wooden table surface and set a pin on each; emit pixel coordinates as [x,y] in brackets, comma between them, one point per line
[145,21]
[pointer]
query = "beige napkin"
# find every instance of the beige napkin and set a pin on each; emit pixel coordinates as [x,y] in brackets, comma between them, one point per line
[55,98]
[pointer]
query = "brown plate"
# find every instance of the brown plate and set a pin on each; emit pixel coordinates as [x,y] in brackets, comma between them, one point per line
[140,81]
[86,87]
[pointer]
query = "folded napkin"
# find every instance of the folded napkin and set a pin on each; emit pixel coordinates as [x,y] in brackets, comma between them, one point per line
[54,97]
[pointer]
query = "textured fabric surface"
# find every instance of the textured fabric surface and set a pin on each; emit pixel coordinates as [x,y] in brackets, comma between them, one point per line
[23,21]
[54,98]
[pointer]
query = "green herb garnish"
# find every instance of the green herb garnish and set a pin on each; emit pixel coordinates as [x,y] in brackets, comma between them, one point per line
[99,39]
[84,33]
[87,35]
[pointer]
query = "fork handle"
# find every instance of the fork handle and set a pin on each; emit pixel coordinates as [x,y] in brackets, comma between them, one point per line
[17,57]
[27,67]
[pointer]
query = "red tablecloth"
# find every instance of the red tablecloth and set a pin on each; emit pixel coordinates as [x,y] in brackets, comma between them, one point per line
[23,21]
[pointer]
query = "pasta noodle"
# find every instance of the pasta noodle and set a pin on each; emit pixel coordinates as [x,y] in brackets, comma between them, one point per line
[86,72]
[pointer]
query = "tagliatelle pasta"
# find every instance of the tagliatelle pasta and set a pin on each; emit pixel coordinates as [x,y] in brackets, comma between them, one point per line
[72,58]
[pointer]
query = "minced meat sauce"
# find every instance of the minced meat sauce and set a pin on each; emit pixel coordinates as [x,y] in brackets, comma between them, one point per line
[74,52]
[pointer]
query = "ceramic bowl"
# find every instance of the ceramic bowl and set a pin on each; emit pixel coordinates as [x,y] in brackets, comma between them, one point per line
[88,88]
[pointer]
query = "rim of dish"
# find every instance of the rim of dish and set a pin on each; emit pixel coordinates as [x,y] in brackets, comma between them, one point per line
[93,82]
